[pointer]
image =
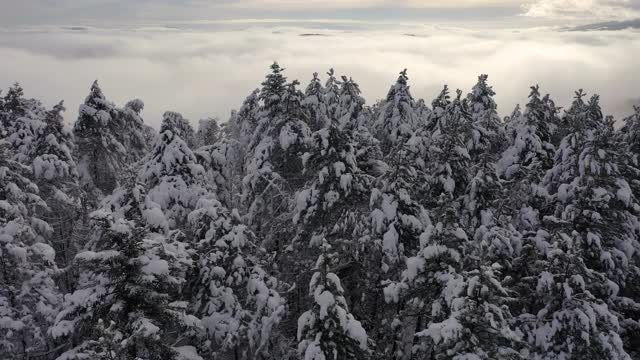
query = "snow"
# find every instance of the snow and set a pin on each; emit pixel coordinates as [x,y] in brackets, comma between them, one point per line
[187,353]
[156,267]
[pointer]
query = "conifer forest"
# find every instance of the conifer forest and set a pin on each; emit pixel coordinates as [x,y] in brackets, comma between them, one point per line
[310,225]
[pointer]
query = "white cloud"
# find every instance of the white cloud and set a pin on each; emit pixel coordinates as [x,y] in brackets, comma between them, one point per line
[207,72]
[581,9]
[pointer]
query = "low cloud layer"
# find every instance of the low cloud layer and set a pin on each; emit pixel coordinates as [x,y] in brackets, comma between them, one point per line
[208,70]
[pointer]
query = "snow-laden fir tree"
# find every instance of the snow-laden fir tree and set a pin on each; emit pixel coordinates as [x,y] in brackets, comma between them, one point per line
[171,172]
[99,152]
[448,160]
[328,331]
[423,289]
[235,299]
[331,93]
[223,165]
[56,175]
[180,127]
[29,297]
[22,119]
[350,116]
[131,276]
[314,101]
[243,123]
[397,120]
[572,322]
[487,134]
[591,195]
[526,161]
[398,218]
[273,167]
[350,104]
[208,132]
[131,131]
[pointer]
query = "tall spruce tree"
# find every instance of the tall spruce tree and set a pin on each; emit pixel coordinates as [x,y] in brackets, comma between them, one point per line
[328,331]
[237,301]
[171,172]
[397,120]
[273,165]
[29,297]
[99,152]
[132,273]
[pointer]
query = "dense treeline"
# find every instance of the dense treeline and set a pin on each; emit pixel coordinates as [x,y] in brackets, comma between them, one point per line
[313,226]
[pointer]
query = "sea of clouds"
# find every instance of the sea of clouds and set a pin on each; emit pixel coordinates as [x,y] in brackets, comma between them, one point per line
[207,69]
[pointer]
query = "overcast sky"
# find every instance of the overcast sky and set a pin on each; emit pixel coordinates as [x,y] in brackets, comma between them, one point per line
[101,11]
[202,58]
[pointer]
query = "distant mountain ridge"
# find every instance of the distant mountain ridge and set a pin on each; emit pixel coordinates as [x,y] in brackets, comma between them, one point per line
[607,26]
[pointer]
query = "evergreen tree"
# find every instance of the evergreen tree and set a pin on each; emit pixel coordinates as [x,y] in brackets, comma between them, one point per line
[397,120]
[222,163]
[273,165]
[350,105]
[487,135]
[243,123]
[328,331]
[171,172]
[526,161]
[236,300]
[572,322]
[132,273]
[57,178]
[314,101]
[180,127]
[29,297]
[131,131]
[331,93]
[22,119]
[448,160]
[99,152]
[592,196]
[208,132]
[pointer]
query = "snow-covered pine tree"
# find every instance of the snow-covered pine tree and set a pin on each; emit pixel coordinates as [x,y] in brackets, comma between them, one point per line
[328,331]
[331,93]
[243,123]
[397,120]
[448,160]
[274,164]
[351,115]
[171,172]
[99,152]
[591,194]
[236,300]
[57,178]
[422,112]
[422,291]
[131,276]
[487,133]
[22,119]
[29,297]
[208,132]
[526,161]
[631,131]
[180,127]
[572,322]
[398,218]
[222,163]
[478,322]
[314,101]
[350,104]
[130,131]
